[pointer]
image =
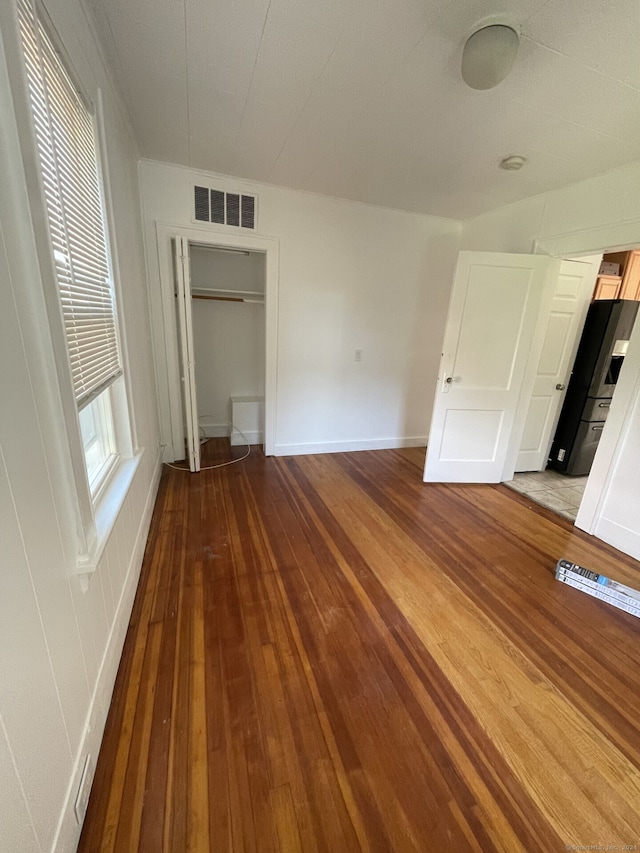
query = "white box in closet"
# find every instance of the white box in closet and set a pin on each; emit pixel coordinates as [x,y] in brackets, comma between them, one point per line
[247,416]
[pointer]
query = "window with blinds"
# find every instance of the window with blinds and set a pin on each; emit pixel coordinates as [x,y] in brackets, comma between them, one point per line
[67,151]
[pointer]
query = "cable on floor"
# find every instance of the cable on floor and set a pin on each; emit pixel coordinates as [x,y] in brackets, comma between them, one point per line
[220,464]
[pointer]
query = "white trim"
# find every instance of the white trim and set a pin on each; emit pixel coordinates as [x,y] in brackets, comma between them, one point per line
[212,430]
[602,238]
[123,415]
[173,432]
[619,536]
[107,509]
[168,381]
[350,446]
[68,831]
[182,279]
[238,440]
[614,434]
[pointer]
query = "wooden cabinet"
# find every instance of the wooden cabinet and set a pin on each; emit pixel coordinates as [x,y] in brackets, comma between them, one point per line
[630,288]
[607,287]
[624,286]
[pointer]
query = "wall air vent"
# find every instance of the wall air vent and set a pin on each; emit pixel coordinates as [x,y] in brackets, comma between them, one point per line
[224,208]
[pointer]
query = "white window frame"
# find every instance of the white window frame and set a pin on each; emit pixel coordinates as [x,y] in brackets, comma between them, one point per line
[95,513]
[98,414]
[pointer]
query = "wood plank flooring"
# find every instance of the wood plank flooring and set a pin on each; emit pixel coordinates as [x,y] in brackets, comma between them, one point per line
[326,654]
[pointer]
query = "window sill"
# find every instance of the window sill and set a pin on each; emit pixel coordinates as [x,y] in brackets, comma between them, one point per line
[106,510]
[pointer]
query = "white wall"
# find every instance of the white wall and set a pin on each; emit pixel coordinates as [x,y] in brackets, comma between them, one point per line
[606,207]
[60,643]
[229,356]
[229,337]
[595,215]
[352,277]
[224,270]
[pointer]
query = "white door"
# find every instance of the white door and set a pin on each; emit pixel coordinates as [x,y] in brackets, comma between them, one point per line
[187,363]
[564,322]
[490,328]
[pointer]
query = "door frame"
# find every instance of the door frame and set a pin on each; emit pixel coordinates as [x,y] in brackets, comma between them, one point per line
[619,237]
[211,236]
[182,279]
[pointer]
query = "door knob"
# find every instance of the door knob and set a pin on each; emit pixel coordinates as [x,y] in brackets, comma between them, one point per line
[449,380]
[560,386]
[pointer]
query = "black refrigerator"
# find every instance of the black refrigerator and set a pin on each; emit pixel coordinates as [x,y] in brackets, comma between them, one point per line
[595,373]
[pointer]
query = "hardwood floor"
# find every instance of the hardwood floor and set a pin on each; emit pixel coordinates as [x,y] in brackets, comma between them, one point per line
[327,654]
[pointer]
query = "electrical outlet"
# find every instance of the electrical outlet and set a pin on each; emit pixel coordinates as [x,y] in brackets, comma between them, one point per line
[84,789]
[358,355]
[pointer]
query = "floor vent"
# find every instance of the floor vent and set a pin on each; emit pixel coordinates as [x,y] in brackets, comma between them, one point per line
[224,208]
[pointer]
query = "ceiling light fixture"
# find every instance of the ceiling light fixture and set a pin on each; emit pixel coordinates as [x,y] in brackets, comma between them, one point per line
[489,54]
[513,162]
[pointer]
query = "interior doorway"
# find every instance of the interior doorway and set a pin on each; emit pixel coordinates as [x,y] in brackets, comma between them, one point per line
[218,280]
[563,495]
[220,296]
[227,305]
[599,357]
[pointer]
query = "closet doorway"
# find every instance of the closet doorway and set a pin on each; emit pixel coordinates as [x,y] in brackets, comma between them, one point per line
[220,337]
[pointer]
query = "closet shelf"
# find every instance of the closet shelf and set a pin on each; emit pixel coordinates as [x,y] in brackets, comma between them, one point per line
[227,295]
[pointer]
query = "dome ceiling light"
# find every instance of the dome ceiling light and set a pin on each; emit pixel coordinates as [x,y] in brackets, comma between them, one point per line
[513,162]
[489,54]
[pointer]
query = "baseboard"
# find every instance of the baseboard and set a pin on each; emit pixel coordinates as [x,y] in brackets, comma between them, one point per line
[349,446]
[622,538]
[212,430]
[68,831]
[251,437]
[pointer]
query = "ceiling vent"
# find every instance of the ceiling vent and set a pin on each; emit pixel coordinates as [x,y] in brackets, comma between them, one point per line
[224,208]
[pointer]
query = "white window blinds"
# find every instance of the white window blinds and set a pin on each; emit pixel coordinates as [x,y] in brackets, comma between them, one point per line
[67,153]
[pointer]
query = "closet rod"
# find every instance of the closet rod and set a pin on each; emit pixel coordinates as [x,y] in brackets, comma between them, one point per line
[218,298]
[224,298]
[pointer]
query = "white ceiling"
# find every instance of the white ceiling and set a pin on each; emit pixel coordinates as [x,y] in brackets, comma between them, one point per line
[363,99]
